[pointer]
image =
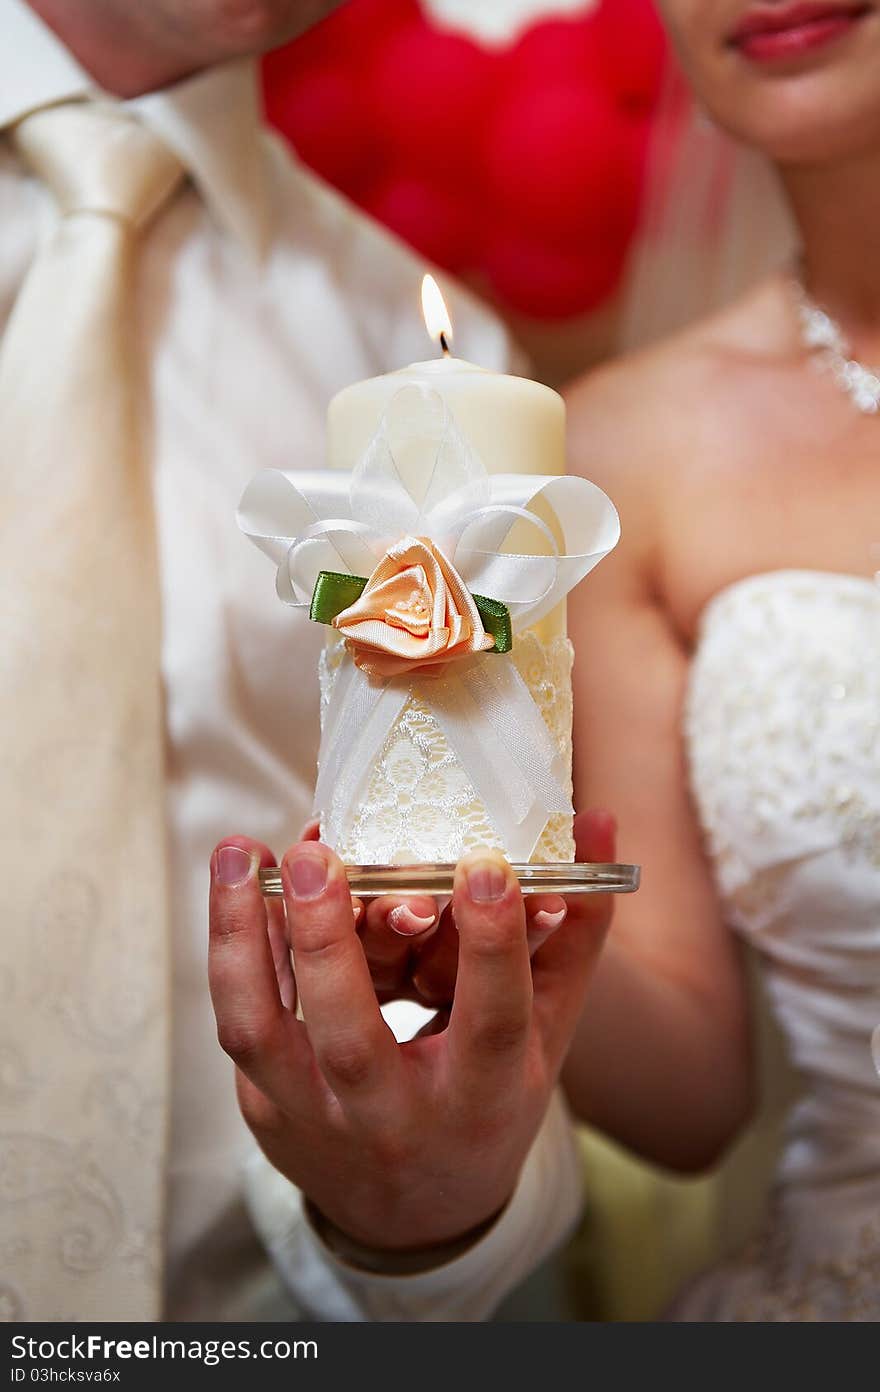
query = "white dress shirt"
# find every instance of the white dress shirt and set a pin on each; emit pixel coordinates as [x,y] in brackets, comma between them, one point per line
[260,293]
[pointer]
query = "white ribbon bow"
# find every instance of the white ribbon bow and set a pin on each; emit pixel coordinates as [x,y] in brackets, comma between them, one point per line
[331,520]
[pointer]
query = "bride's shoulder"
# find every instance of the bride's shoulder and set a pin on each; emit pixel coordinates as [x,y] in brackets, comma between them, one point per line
[677,398]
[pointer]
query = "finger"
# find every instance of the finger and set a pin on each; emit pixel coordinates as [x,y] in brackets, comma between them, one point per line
[387,954]
[312,832]
[561,968]
[544,914]
[595,840]
[277,929]
[253,1027]
[434,965]
[355,1049]
[435,962]
[490,1023]
[277,925]
[387,931]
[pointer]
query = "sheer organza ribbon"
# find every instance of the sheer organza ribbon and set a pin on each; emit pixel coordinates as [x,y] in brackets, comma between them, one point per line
[328,520]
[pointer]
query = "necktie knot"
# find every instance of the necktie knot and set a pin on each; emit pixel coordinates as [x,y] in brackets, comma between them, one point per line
[96,158]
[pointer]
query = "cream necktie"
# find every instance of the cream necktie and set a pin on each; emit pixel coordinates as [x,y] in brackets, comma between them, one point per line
[83,940]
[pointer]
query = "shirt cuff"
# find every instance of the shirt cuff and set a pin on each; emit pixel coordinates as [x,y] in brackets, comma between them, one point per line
[543,1210]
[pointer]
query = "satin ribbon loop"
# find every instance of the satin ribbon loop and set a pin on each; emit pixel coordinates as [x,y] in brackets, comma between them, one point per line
[338,543]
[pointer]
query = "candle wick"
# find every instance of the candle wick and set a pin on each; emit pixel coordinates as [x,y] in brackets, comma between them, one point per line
[444,344]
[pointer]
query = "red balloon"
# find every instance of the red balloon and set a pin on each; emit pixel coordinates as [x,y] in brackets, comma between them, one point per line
[322,113]
[631,46]
[436,222]
[543,283]
[360,25]
[558,158]
[427,92]
[284,64]
[524,164]
[355,29]
[555,50]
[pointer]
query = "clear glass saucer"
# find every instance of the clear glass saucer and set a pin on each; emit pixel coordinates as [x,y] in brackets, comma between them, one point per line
[560,877]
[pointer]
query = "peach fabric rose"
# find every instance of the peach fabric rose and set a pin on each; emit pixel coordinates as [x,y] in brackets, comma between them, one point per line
[415,611]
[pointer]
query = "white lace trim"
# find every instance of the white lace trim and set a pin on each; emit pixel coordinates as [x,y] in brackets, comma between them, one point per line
[419,803]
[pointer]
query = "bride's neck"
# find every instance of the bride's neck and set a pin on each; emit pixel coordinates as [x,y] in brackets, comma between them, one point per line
[837,209]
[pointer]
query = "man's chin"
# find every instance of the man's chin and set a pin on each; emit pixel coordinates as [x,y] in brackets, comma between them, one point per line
[254,26]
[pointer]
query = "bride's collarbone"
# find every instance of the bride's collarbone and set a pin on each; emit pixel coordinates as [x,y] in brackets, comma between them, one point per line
[820,522]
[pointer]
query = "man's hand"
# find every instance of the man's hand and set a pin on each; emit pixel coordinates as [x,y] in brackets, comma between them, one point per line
[411,944]
[401,1146]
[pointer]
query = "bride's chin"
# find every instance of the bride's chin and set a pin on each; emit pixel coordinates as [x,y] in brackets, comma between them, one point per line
[820,106]
[824,144]
[810,123]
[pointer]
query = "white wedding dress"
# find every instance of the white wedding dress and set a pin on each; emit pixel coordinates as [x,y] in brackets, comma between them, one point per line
[783,736]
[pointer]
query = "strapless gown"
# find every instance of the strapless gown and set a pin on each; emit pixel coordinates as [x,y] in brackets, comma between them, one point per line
[782,730]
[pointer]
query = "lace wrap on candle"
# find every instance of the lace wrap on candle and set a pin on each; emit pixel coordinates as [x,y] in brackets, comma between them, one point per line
[418,802]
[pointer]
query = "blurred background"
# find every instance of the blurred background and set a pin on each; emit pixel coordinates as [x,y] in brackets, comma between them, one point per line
[506,141]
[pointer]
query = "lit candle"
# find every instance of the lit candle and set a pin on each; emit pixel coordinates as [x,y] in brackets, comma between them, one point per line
[516,426]
[418,803]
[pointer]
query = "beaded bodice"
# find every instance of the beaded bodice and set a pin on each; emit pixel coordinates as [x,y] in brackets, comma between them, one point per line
[782,728]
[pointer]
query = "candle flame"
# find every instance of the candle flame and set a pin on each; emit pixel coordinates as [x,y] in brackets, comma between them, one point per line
[437,320]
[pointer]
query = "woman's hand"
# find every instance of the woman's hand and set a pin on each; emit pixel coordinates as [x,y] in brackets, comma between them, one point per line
[401,1146]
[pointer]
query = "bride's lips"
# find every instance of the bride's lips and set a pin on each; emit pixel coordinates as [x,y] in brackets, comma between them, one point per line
[771,35]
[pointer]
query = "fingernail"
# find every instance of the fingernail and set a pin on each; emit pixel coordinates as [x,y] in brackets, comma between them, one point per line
[233,866]
[486,881]
[308,876]
[404,921]
[357,910]
[549,922]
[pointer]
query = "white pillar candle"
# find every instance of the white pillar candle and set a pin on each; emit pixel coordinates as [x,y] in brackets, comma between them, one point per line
[418,803]
[516,426]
